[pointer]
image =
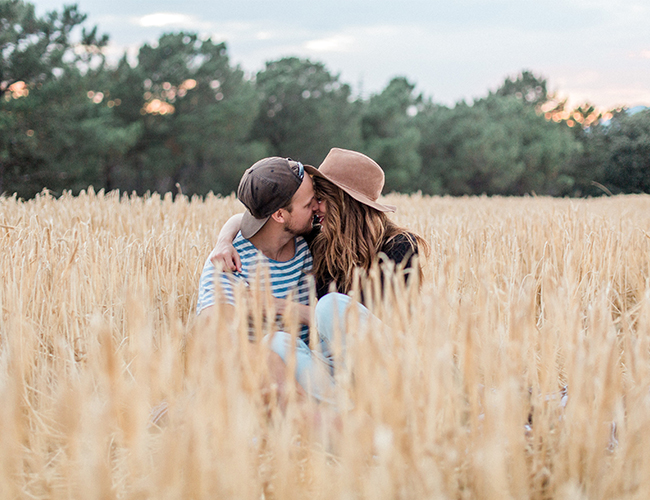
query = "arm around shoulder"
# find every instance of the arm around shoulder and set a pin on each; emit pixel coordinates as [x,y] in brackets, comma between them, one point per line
[224,252]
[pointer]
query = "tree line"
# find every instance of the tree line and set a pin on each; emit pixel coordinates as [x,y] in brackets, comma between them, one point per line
[184,118]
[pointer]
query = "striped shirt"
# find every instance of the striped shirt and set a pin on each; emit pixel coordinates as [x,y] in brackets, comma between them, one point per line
[284,277]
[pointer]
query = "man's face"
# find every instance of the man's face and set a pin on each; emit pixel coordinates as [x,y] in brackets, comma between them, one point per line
[303,208]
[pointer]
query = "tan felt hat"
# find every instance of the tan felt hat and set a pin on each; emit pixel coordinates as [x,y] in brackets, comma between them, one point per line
[356,174]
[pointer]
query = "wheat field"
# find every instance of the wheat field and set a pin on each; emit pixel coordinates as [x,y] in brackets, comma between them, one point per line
[521,369]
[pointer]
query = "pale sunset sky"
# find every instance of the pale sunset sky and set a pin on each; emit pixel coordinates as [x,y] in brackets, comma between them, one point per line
[588,50]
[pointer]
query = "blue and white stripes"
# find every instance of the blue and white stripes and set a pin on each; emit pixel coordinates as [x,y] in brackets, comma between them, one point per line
[284,277]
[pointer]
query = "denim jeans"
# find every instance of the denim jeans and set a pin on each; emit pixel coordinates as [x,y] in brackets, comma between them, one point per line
[315,367]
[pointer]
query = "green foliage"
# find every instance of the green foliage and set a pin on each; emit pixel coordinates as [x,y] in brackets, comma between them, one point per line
[498,145]
[390,135]
[304,110]
[621,150]
[527,88]
[59,138]
[195,112]
[42,97]
[34,50]
[183,117]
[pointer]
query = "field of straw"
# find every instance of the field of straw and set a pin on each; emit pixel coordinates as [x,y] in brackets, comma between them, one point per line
[521,369]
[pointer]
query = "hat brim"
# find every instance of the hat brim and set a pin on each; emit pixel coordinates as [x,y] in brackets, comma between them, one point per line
[352,192]
[250,225]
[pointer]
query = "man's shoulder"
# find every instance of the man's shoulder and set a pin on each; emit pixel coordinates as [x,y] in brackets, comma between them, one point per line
[249,253]
[303,253]
[302,245]
[240,241]
[244,247]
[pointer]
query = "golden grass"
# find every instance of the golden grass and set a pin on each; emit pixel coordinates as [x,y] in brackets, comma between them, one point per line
[532,308]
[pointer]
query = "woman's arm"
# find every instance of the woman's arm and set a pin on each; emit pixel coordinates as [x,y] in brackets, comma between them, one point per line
[224,252]
[401,249]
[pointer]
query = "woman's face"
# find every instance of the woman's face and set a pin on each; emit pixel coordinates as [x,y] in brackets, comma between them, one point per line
[321,210]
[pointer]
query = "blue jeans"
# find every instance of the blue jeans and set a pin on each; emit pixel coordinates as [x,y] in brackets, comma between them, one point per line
[315,367]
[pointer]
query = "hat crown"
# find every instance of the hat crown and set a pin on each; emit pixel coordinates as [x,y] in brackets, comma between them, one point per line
[354,171]
[267,185]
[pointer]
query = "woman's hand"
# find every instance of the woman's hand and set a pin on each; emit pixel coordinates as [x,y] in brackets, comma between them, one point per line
[304,314]
[225,255]
[224,252]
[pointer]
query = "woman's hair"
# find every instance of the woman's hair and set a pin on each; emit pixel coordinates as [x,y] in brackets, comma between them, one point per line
[353,236]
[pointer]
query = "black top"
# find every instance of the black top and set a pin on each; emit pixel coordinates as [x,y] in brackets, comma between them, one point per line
[397,249]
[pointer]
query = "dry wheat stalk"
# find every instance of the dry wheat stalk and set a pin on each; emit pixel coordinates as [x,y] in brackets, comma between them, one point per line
[522,369]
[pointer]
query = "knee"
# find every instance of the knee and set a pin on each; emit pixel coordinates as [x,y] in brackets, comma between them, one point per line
[330,304]
[279,343]
[329,313]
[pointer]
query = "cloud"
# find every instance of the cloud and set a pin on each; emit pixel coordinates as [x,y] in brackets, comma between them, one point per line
[337,43]
[457,51]
[170,19]
[160,19]
[231,31]
[264,35]
[258,32]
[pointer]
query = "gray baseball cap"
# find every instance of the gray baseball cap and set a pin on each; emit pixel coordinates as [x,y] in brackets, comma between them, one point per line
[265,187]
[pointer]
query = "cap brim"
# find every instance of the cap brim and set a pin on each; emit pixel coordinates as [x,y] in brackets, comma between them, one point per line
[250,225]
[352,192]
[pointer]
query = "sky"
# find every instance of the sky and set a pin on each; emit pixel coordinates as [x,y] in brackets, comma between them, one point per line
[587,50]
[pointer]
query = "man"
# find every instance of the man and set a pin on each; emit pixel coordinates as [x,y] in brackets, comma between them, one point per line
[280,202]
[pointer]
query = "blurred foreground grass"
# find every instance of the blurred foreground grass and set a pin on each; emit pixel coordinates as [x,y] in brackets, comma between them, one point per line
[521,370]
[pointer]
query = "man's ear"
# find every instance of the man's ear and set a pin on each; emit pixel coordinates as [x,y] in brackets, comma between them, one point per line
[279,216]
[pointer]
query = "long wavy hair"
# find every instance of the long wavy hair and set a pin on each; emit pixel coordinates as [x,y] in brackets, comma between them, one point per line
[352,236]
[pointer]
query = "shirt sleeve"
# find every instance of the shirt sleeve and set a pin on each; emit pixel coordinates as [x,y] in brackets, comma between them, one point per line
[207,288]
[401,249]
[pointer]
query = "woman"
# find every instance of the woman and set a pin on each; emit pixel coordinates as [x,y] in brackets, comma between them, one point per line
[354,232]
